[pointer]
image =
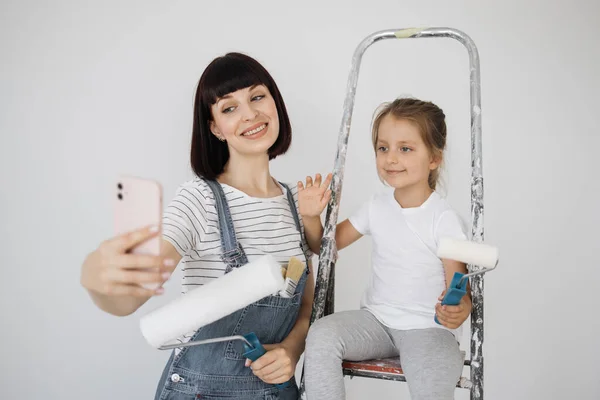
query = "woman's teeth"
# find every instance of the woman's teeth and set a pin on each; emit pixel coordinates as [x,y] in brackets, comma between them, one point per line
[255,131]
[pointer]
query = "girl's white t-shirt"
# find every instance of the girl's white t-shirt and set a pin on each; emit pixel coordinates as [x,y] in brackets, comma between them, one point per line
[408,277]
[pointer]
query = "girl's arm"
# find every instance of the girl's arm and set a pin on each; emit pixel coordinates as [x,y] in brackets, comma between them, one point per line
[454,316]
[346,234]
[313,231]
[452,266]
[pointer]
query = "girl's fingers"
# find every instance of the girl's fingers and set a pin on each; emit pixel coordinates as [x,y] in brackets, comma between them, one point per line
[326,198]
[318,180]
[452,309]
[442,320]
[448,318]
[328,180]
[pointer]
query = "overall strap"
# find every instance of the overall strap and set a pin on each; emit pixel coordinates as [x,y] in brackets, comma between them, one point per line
[290,199]
[294,211]
[233,254]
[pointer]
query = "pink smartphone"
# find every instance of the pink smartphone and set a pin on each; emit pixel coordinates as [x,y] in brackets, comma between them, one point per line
[138,204]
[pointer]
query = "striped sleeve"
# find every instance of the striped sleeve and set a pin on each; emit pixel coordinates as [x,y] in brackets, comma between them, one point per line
[184,220]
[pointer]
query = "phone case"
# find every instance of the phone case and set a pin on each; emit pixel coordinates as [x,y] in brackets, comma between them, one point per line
[138,204]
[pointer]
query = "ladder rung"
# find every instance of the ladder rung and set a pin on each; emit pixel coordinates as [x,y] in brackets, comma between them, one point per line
[386,368]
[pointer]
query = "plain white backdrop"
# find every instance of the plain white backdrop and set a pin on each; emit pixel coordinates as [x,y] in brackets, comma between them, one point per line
[92,89]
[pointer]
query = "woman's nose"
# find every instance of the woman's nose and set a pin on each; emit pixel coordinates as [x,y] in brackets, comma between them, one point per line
[249,112]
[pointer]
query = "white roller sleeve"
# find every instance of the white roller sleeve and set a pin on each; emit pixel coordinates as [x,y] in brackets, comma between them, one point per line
[213,301]
[468,252]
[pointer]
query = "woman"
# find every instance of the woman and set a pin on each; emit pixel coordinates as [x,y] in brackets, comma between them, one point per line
[233,212]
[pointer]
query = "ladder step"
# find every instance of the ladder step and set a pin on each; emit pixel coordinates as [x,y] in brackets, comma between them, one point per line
[387,369]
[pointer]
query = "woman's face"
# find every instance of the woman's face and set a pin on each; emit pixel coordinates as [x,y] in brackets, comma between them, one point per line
[247,120]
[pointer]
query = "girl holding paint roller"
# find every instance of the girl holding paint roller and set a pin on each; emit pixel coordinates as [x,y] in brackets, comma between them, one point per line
[234,212]
[407,225]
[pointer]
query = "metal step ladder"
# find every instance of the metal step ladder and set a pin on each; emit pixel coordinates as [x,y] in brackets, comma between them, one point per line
[390,369]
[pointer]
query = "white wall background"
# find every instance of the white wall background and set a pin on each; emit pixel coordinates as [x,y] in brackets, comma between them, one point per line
[92,89]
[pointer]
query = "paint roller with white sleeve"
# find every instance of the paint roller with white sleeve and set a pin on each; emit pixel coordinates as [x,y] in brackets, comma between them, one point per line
[467,252]
[213,301]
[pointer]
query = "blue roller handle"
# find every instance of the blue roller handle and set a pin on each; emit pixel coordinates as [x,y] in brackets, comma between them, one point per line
[256,351]
[455,292]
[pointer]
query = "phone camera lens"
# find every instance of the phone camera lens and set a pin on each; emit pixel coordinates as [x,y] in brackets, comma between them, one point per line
[120,196]
[120,186]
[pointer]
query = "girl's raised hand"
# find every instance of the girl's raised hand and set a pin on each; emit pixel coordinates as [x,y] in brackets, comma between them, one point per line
[313,197]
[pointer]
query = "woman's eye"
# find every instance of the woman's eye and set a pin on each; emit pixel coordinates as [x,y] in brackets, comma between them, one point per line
[228,110]
[258,97]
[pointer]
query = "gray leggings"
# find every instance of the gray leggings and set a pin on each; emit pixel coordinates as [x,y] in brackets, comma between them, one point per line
[430,358]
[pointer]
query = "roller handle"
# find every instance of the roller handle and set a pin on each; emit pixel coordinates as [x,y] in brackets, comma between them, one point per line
[256,351]
[456,291]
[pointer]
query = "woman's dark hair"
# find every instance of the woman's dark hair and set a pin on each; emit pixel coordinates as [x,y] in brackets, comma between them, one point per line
[224,75]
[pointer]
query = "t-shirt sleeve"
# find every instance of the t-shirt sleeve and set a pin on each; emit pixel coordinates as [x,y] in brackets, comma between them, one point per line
[183,220]
[450,225]
[361,220]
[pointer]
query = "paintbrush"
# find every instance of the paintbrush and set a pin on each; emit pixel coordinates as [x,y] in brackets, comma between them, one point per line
[293,274]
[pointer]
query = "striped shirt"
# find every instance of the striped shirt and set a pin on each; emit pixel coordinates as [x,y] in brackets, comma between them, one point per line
[262,226]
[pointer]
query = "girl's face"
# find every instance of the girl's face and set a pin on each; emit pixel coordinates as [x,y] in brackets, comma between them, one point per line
[247,120]
[403,159]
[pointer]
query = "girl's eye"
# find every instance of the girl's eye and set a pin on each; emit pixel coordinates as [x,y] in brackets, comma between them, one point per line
[405,149]
[382,148]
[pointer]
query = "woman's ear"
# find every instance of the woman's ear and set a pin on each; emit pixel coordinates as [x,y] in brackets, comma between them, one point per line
[215,131]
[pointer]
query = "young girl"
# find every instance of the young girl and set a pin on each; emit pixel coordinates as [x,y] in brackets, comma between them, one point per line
[234,211]
[397,312]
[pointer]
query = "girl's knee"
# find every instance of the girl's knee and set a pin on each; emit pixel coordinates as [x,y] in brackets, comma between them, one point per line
[433,381]
[323,334]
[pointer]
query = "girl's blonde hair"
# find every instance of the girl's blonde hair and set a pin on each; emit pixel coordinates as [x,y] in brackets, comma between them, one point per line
[427,117]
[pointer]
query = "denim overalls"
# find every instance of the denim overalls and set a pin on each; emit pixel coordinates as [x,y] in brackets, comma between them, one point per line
[217,370]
